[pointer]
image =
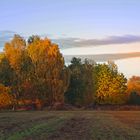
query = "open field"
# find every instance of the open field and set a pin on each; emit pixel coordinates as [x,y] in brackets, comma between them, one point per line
[70,125]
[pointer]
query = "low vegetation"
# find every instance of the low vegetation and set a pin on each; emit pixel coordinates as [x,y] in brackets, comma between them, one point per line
[59,125]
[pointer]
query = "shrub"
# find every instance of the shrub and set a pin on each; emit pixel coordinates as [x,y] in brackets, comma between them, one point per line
[134,98]
[6,101]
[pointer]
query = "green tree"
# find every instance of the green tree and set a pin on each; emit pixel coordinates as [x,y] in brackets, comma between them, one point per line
[6,72]
[80,91]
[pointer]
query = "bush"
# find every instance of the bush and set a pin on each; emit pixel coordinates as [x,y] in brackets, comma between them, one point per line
[6,101]
[134,98]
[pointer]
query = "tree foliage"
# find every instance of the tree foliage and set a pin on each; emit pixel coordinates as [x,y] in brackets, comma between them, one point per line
[34,71]
[133,86]
[109,85]
[6,99]
[80,91]
[48,65]
[6,72]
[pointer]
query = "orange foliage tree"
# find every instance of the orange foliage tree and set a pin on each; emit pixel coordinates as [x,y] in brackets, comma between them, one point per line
[48,67]
[39,69]
[6,99]
[133,84]
[133,87]
[16,53]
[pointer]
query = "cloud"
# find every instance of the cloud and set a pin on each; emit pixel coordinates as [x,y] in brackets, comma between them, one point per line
[4,37]
[103,57]
[70,42]
[77,42]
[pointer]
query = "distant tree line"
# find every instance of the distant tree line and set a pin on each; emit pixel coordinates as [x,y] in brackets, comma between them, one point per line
[34,72]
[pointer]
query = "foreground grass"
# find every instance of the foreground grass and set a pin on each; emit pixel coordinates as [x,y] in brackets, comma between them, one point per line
[70,125]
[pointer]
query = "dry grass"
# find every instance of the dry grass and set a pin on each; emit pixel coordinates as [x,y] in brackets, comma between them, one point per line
[70,125]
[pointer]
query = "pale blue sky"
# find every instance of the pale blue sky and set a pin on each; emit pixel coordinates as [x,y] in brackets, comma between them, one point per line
[71,18]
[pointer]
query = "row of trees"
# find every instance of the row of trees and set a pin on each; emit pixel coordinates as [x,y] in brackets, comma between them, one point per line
[34,70]
[95,83]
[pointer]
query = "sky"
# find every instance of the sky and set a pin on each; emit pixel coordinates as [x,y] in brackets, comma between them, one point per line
[78,26]
[71,18]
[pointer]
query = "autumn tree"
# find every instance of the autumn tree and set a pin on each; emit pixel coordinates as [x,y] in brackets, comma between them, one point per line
[48,66]
[6,99]
[133,87]
[33,38]
[109,84]
[34,70]
[134,84]
[20,62]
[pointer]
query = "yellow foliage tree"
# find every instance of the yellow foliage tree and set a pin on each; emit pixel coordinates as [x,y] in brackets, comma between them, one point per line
[110,85]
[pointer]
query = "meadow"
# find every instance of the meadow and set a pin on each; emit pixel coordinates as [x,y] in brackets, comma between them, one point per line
[70,125]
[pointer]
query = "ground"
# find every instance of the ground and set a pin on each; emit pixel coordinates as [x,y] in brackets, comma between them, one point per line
[70,125]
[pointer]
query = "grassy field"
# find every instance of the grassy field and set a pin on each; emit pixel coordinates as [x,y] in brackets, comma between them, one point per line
[70,125]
